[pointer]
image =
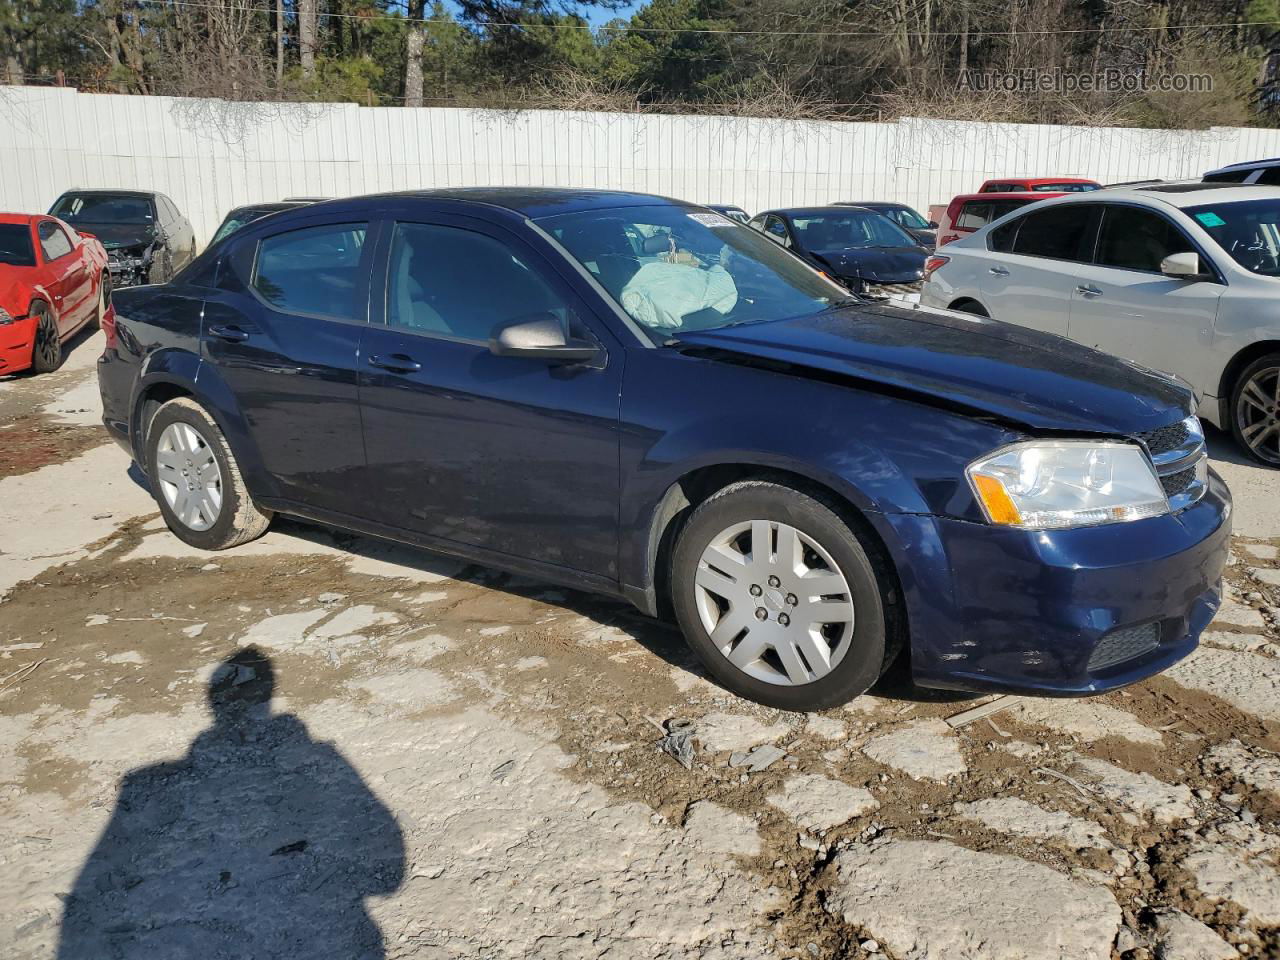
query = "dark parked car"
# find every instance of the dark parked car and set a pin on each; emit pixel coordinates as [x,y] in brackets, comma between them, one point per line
[923,232]
[146,238]
[627,395]
[862,249]
[237,217]
[730,211]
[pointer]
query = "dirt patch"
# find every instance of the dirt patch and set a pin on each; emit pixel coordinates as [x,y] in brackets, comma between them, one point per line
[32,442]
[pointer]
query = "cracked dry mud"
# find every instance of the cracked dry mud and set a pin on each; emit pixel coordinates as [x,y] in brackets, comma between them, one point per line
[457,763]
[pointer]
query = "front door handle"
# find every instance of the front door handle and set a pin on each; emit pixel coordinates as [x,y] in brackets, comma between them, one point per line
[998,271]
[229,332]
[1088,290]
[396,363]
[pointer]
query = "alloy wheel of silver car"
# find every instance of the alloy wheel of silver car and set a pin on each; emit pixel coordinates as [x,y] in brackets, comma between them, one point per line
[189,476]
[774,602]
[1258,413]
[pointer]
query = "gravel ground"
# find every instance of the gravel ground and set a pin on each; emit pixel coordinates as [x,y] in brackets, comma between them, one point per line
[323,745]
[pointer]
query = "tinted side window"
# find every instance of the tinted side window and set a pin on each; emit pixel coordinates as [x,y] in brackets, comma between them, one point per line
[1231,176]
[1001,238]
[1270,176]
[53,241]
[1138,239]
[974,214]
[459,283]
[775,228]
[1060,233]
[315,270]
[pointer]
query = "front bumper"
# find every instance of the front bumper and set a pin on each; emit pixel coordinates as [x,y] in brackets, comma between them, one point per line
[996,609]
[16,341]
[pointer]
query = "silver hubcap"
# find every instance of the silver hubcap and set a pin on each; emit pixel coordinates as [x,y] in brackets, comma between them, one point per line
[189,476]
[774,602]
[1258,414]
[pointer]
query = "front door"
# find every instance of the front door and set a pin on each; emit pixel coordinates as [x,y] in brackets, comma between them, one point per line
[283,332]
[510,454]
[72,284]
[1122,304]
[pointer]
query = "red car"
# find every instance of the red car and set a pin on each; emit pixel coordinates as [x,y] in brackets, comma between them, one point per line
[53,281]
[970,211]
[1039,185]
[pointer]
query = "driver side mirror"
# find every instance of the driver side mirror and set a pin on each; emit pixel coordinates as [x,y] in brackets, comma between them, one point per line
[933,224]
[540,336]
[1183,266]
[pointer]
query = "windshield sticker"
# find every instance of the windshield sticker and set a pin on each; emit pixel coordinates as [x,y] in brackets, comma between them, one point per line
[711,219]
[1210,219]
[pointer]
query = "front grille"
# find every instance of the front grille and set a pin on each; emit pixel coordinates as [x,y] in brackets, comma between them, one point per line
[1166,438]
[1179,455]
[1176,484]
[1123,645]
[893,289]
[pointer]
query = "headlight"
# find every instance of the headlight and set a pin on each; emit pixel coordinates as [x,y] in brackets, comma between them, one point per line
[1054,484]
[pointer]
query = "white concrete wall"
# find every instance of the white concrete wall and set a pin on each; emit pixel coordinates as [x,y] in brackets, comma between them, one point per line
[210,156]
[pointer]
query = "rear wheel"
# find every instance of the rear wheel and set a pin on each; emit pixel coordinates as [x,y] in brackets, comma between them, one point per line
[104,297]
[46,347]
[1255,410]
[779,598]
[196,482]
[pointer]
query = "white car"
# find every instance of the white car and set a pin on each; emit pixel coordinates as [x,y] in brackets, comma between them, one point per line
[1179,277]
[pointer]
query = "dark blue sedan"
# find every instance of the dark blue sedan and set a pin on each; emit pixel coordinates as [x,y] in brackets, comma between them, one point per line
[639,397]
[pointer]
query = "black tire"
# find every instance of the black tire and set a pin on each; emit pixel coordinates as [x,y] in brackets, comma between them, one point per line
[104,298]
[1258,418]
[46,342]
[971,306]
[875,641]
[238,519]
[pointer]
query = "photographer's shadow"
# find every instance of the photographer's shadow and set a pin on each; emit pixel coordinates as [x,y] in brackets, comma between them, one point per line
[260,842]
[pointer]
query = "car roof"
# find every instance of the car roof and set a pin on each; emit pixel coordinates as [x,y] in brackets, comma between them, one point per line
[271,205]
[1040,180]
[531,202]
[1247,165]
[1192,193]
[1013,195]
[869,204]
[111,191]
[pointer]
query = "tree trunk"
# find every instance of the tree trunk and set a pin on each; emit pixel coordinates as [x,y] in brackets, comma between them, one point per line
[413,54]
[964,41]
[279,40]
[307,26]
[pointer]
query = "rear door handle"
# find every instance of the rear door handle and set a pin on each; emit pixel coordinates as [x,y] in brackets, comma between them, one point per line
[1088,290]
[229,332]
[998,271]
[396,363]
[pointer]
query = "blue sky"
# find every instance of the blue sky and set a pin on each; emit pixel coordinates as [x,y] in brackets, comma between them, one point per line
[595,15]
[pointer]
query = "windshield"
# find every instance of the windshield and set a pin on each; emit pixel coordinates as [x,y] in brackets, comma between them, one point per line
[677,269]
[1064,187]
[1249,230]
[104,208]
[15,245]
[907,217]
[844,231]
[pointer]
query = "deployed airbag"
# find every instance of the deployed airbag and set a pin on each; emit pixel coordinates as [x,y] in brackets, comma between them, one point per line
[662,294]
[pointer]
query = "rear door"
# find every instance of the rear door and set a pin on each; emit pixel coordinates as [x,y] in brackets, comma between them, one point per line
[1031,284]
[510,454]
[1122,304]
[72,283]
[283,330]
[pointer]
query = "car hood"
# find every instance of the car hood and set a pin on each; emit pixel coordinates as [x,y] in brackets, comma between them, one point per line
[876,264]
[116,235]
[978,365]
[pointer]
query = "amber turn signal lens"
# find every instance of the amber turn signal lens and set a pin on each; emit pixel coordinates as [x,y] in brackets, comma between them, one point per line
[999,506]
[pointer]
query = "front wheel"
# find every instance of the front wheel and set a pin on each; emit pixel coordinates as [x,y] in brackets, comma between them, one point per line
[780,599]
[1255,410]
[46,346]
[196,482]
